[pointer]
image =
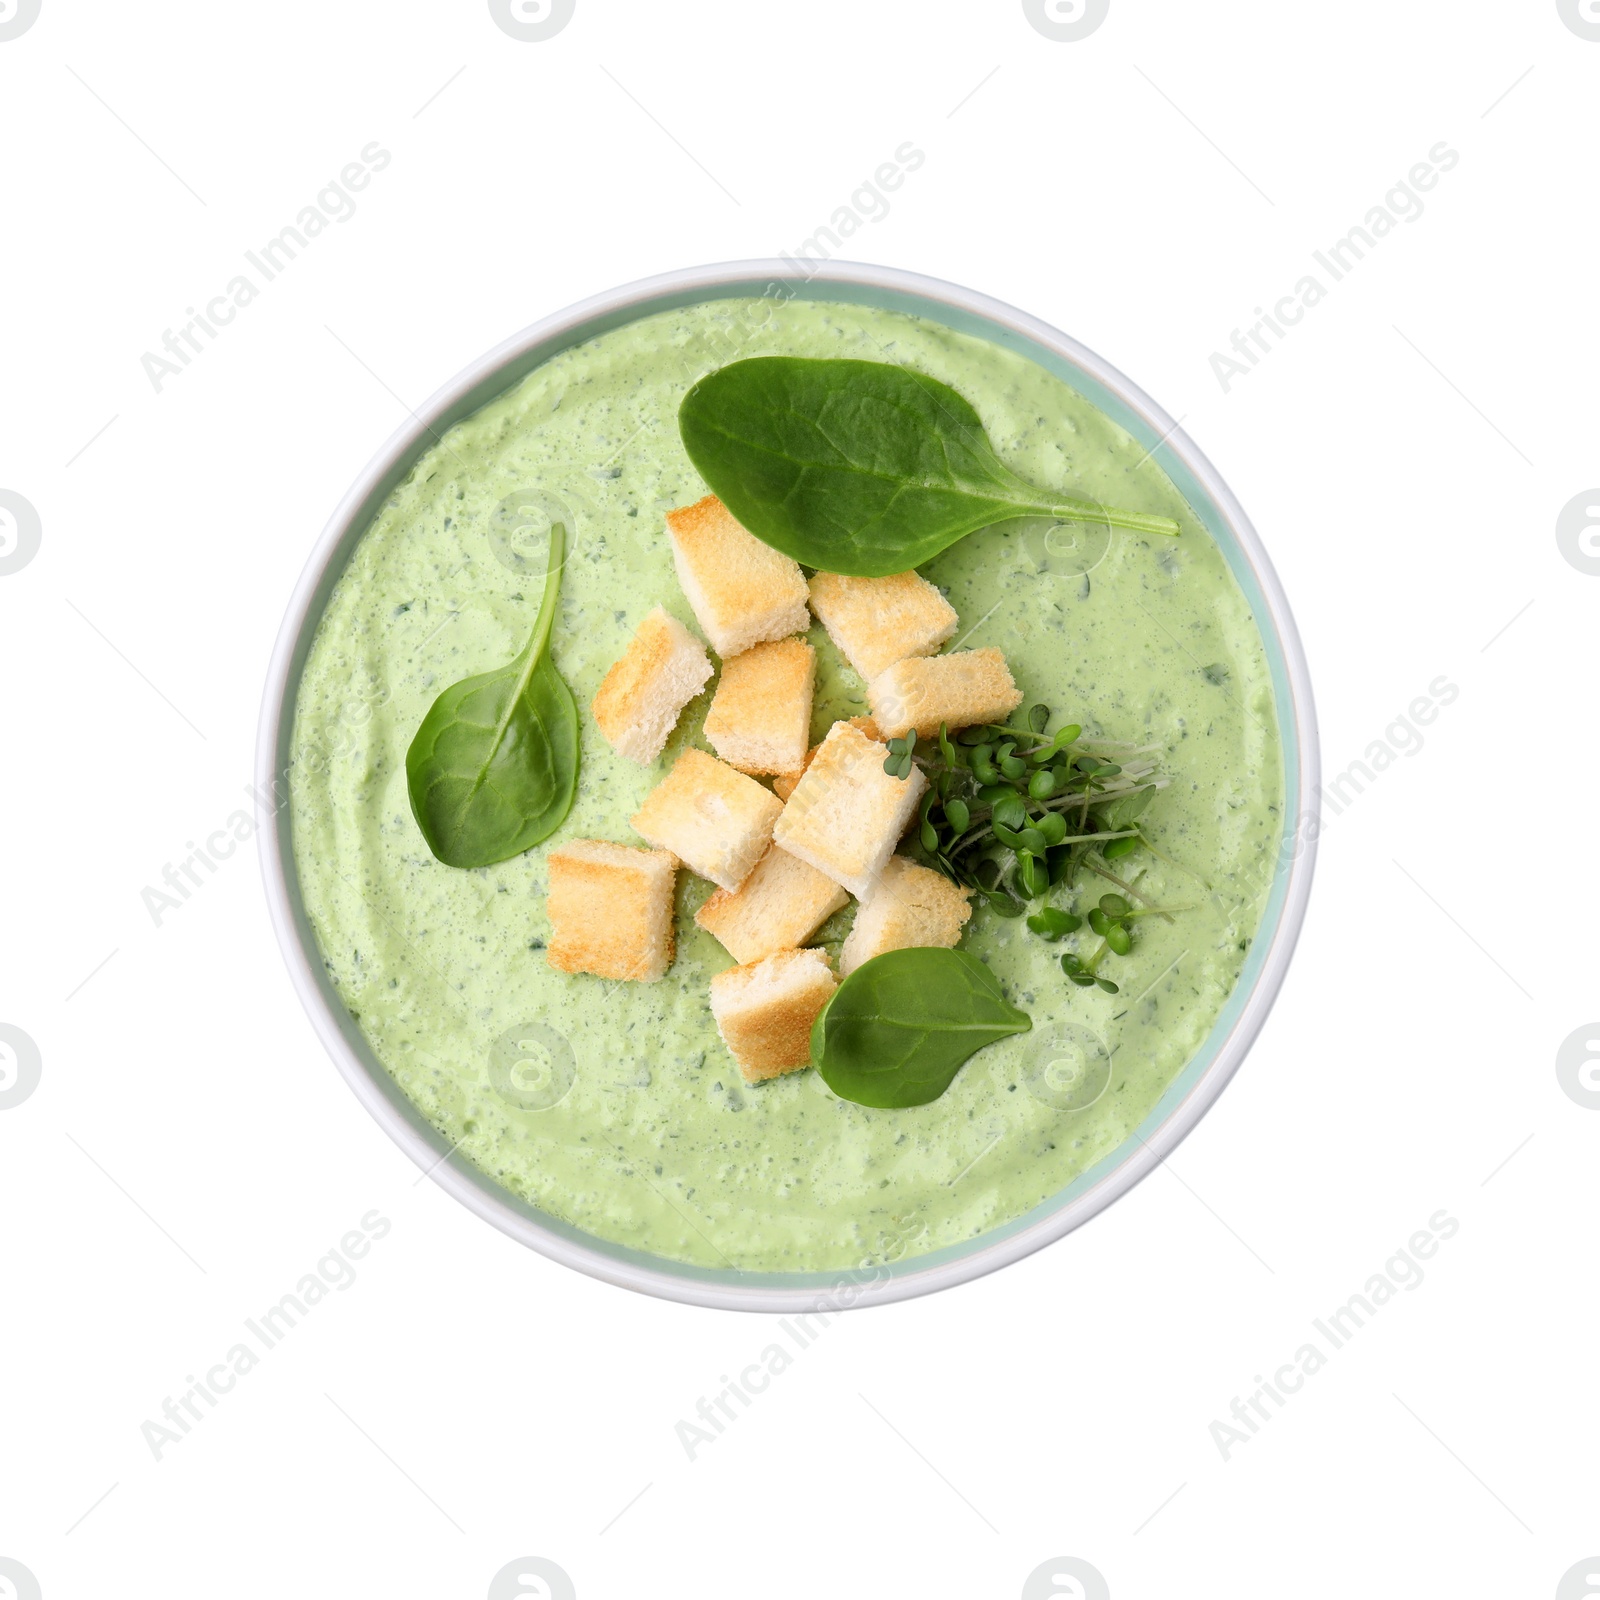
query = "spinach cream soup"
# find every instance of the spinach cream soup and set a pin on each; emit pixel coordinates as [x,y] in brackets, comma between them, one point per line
[615,1106]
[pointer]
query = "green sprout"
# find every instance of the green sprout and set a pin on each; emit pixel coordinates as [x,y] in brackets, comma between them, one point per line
[1018,812]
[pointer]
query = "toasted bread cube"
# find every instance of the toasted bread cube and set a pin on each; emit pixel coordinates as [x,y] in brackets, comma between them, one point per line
[742,592]
[846,812]
[764,1010]
[717,821]
[644,693]
[958,690]
[784,784]
[876,622]
[610,909]
[760,716]
[780,905]
[911,906]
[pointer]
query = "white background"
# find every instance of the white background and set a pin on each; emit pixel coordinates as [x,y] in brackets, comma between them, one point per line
[190,1152]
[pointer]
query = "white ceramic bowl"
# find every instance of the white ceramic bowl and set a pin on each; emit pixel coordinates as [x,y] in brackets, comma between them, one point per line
[1188,1097]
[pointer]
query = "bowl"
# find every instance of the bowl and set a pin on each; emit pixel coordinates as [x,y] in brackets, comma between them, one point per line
[1189,1096]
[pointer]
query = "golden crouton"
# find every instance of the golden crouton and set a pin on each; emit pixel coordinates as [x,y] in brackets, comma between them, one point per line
[644,693]
[764,1010]
[742,591]
[784,784]
[910,905]
[781,904]
[958,690]
[876,622]
[610,909]
[846,812]
[760,716]
[716,820]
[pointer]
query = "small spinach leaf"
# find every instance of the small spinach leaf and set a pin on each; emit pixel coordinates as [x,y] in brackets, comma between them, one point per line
[899,1028]
[494,767]
[860,467]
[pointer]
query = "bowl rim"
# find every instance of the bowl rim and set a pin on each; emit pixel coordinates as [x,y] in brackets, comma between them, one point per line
[845,1288]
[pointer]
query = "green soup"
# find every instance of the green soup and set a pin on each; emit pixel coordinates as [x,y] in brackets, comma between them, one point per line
[615,1106]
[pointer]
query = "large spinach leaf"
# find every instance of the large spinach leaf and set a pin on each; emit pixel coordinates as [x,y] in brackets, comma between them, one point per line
[494,766]
[860,467]
[899,1028]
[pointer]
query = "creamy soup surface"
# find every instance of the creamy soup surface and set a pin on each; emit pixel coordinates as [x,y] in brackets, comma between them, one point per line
[653,1140]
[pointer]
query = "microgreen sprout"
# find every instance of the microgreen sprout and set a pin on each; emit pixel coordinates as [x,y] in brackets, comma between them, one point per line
[902,753]
[1016,811]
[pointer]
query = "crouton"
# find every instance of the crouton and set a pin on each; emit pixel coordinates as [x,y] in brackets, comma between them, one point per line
[716,820]
[764,1010]
[784,784]
[958,690]
[876,622]
[644,693]
[846,812]
[781,904]
[910,906]
[742,592]
[760,716]
[610,909]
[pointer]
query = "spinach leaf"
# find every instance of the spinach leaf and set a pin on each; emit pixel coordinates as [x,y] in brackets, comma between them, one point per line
[899,1028]
[494,766]
[859,467]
